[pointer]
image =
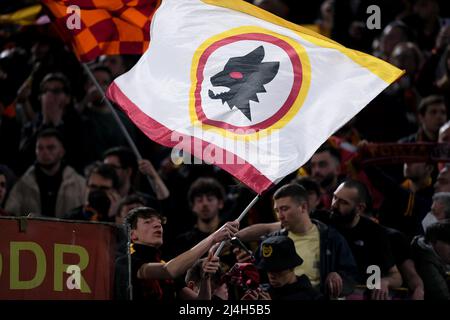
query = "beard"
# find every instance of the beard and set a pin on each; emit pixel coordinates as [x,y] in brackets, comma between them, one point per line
[342,219]
[206,217]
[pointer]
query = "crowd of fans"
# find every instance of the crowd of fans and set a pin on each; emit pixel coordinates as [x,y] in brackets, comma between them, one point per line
[313,236]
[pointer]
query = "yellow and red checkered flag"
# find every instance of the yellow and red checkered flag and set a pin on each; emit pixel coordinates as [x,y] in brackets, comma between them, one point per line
[106,26]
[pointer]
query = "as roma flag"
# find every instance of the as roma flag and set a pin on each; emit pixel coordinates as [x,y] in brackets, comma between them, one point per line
[108,27]
[243,89]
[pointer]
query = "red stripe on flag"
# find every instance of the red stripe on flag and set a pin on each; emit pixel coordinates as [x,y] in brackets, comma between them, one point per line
[156,131]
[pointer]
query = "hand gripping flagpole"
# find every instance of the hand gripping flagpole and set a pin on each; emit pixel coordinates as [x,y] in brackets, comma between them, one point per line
[243,214]
[117,118]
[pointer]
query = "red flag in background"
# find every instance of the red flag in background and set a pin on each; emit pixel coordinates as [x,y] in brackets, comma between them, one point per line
[108,27]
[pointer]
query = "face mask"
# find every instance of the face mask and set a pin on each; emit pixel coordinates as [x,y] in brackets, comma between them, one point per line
[428,220]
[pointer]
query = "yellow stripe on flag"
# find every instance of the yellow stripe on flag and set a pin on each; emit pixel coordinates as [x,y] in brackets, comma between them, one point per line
[382,69]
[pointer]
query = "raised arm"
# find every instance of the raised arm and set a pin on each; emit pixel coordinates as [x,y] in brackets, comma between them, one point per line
[179,265]
[256,231]
[158,186]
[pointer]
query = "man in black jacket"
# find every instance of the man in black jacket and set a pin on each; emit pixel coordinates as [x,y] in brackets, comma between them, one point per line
[431,255]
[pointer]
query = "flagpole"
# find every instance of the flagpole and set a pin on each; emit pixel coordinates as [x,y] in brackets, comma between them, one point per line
[242,215]
[117,118]
[130,284]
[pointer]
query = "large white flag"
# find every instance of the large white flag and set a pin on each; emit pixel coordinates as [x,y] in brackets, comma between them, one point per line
[243,89]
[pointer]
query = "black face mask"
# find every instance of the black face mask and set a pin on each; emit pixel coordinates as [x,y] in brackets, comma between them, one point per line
[338,218]
[99,203]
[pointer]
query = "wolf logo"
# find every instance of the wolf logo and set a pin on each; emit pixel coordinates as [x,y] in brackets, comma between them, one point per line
[245,77]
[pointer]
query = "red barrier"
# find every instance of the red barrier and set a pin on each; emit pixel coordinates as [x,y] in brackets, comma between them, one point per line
[56,259]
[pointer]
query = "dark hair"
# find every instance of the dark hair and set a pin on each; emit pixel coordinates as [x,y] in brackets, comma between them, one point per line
[444,199]
[130,199]
[292,190]
[51,133]
[409,34]
[106,171]
[195,273]
[143,213]
[309,184]
[327,147]
[205,186]
[126,157]
[439,231]
[363,194]
[57,76]
[428,101]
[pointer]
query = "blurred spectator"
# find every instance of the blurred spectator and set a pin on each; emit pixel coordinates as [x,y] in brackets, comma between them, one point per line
[126,165]
[325,170]
[326,19]
[313,190]
[100,198]
[124,162]
[119,64]
[432,257]
[443,180]
[14,70]
[425,22]
[393,34]
[50,187]
[124,206]
[100,128]
[56,112]
[432,115]
[403,259]
[407,56]
[368,241]
[128,203]
[440,209]
[405,204]
[206,198]
[433,77]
